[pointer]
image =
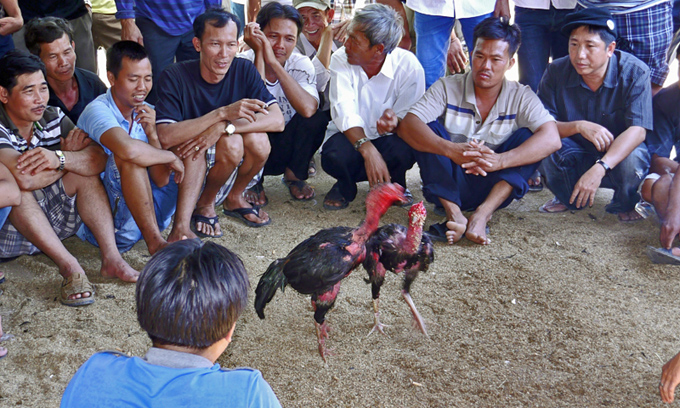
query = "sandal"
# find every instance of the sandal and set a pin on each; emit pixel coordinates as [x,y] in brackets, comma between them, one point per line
[311,171]
[258,189]
[553,206]
[335,195]
[300,185]
[212,221]
[535,187]
[76,283]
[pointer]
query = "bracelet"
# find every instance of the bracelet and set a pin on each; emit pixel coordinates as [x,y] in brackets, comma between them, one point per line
[62,159]
[360,142]
[607,169]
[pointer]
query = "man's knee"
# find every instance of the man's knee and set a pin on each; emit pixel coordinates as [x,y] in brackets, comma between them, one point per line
[257,146]
[229,149]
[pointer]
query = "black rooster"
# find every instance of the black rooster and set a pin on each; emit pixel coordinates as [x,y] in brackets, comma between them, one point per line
[395,248]
[318,264]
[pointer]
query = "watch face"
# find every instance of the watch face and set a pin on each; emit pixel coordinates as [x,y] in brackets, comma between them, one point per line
[231,128]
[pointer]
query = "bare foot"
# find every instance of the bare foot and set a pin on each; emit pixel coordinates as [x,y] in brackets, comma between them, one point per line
[629,216]
[455,231]
[178,235]
[476,231]
[204,227]
[119,269]
[241,202]
[161,244]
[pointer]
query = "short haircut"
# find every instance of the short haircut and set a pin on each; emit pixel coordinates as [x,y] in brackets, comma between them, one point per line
[380,24]
[44,31]
[277,10]
[494,28]
[216,17]
[190,294]
[16,63]
[606,36]
[114,55]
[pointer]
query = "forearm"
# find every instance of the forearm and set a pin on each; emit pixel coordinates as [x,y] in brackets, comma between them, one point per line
[259,63]
[12,8]
[567,129]
[145,155]
[173,134]
[10,192]
[272,122]
[420,137]
[624,145]
[89,161]
[252,8]
[303,103]
[325,47]
[540,145]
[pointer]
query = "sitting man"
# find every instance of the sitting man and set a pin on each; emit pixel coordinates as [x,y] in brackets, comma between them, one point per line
[217,104]
[479,136]
[143,201]
[189,297]
[373,85]
[291,78]
[58,187]
[71,88]
[602,100]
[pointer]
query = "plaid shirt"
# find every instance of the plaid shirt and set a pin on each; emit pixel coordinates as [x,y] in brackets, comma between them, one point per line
[46,132]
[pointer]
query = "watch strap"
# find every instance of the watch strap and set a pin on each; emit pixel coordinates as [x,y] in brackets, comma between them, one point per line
[62,159]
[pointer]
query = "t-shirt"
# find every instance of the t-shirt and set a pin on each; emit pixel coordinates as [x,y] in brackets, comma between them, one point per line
[46,132]
[164,379]
[184,94]
[89,87]
[301,69]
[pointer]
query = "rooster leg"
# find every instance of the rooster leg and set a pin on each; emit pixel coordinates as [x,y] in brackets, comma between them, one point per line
[377,326]
[322,334]
[416,316]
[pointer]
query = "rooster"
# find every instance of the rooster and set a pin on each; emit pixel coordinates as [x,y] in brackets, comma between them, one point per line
[318,264]
[395,248]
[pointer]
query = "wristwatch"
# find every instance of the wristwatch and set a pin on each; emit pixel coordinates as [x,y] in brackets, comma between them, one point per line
[62,159]
[360,142]
[601,162]
[230,129]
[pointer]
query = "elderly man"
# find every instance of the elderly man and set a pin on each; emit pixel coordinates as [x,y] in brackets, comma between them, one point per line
[71,88]
[217,104]
[485,137]
[602,100]
[373,84]
[58,187]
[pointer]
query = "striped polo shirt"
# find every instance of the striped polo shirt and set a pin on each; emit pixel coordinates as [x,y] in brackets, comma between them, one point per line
[452,101]
[46,131]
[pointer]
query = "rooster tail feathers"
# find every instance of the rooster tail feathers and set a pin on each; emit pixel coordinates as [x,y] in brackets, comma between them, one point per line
[270,281]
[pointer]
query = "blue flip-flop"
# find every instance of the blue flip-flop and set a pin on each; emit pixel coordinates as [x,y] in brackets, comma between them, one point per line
[662,256]
[240,213]
[212,221]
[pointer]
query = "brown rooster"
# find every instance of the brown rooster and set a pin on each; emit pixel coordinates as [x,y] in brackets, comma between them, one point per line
[318,264]
[396,248]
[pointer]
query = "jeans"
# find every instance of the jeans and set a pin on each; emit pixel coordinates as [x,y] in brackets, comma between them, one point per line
[562,170]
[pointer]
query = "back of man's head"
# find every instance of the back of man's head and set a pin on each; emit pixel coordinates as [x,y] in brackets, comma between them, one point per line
[44,31]
[494,28]
[380,24]
[216,17]
[16,63]
[128,49]
[277,10]
[190,294]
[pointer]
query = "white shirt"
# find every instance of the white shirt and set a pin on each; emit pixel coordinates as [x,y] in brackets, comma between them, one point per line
[323,74]
[545,4]
[451,8]
[301,69]
[357,101]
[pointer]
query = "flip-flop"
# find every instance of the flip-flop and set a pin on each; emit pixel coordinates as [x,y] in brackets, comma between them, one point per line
[553,206]
[257,189]
[335,195]
[76,283]
[240,213]
[311,171]
[300,184]
[205,220]
[662,256]
[437,232]
[536,187]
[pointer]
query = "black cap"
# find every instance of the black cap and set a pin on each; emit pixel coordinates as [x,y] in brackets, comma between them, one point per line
[594,17]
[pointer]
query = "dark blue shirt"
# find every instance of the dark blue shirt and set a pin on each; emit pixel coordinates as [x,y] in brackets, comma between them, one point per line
[666,133]
[623,100]
[89,88]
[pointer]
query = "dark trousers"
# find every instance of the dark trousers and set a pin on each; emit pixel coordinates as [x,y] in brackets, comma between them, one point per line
[444,178]
[295,146]
[342,162]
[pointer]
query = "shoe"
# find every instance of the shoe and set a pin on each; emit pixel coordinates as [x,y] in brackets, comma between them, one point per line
[553,206]
[311,171]
[240,213]
[257,189]
[76,283]
[335,195]
[662,256]
[437,232]
[536,187]
[299,184]
[205,220]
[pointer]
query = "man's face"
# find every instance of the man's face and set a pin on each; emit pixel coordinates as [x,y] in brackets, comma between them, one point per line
[588,53]
[358,49]
[28,99]
[218,47]
[282,35]
[133,83]
[314,21]
[59,58]
[490,61]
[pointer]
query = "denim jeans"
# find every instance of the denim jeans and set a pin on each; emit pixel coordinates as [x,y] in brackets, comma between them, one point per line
[126,230]
[562,170]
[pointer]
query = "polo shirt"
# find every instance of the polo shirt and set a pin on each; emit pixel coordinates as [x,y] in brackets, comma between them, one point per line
[452,99]
[666,133]
[174,17]
[89,87]
[46,132]
[623,100]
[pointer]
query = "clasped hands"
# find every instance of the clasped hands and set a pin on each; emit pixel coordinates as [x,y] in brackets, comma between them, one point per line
[478,159]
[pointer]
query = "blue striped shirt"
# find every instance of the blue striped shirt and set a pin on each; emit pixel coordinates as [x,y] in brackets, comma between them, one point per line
[175,17]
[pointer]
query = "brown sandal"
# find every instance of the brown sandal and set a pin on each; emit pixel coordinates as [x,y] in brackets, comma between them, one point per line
[76,283]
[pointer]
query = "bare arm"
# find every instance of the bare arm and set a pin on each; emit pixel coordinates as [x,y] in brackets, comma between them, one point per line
[11,196]
[130,31]
[252,8]
[13,21]
[325,46]
[376,168]
[420,137]
[502,9]
[543,143]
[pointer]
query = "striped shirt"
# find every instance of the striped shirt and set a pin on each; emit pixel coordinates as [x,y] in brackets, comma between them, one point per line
[621,6]
[46,132]
[174,17]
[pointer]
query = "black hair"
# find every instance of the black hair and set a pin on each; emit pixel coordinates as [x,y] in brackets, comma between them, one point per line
[277,10]
[494,28]
[114,55]
[216,17]
[605,35]
[190,294]
[44,31]
[16,63]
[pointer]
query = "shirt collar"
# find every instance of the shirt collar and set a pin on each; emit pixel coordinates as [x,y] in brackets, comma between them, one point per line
[469,95]
[176,359]
[114,108]
[7,122]
[387,68]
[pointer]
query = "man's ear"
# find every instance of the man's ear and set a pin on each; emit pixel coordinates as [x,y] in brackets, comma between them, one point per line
[330,13]
[512,63]
[230,334]
[380,48]
[110,77]
[197,43]
[610,48]
[4,94]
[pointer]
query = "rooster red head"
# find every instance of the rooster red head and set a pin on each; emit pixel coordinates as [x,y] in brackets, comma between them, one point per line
[417,215]
[382,196]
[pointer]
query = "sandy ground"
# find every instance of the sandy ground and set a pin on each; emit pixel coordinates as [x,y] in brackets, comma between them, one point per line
[560,310]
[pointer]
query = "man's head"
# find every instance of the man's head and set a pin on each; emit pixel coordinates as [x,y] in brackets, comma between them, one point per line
[23,89]
[128,70]
[374,32]
[190,294]
[216,39]
[51,39]
[496,41]
[281,24]
[592,40]
[316,15]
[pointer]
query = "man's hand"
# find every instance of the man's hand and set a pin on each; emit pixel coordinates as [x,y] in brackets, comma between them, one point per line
[670,378]
[456,58]
[266,46]
[178,167]
[388,122]
[249,37]
[484,160]
[75,141]
[598,135]
[376,169]
[130,31]
[670,228]
[340,30]
[146,116]
[10,25]
[244,109]
[586,187]
[197,146]
[37,160]
[502,9]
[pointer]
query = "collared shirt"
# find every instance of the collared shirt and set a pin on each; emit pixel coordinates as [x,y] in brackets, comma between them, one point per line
[175,359]
[666,133]
[357,101]
[46,132]
[89,87]
[622,6]
[623,100]
[545,4]
[174,17]
[453,99]
[103,114]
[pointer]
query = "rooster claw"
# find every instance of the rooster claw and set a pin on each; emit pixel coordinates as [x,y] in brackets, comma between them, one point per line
[379,327]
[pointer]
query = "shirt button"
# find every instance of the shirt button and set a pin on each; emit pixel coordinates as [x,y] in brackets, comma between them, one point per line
[478,122]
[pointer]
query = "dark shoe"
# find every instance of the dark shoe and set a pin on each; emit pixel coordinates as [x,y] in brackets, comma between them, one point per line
[536,186]
[335,195]
[300,185]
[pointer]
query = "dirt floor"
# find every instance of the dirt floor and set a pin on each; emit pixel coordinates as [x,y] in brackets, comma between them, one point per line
[561,310]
